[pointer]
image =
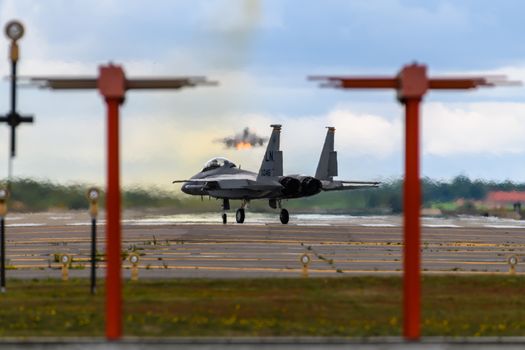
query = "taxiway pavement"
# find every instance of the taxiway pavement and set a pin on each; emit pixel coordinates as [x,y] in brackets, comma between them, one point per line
[264,250]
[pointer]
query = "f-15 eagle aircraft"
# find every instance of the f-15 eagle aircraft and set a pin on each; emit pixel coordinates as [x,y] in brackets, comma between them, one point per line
[221,179]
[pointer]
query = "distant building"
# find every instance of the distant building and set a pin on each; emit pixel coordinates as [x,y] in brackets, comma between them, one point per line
[499,199]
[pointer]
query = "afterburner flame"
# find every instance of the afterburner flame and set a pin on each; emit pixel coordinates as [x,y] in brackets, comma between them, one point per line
[243,145]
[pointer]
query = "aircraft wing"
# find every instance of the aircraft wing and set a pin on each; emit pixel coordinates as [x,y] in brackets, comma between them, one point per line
[347,185]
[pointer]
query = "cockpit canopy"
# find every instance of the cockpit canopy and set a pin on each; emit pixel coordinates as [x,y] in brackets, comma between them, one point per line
[217,163]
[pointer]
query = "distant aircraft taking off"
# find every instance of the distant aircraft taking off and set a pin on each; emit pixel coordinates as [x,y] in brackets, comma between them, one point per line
[244,140]
[221,179]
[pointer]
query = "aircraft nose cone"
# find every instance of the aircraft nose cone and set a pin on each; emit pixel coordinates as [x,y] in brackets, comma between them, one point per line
[192,188]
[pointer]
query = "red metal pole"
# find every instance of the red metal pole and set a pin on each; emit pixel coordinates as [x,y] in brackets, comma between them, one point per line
[411,208]
[411,84]
[112,85]
[113,273]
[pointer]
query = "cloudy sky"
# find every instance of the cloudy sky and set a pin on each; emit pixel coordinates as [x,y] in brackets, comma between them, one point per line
[261,53]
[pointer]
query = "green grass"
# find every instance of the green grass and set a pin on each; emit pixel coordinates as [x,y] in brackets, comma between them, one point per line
[352,306]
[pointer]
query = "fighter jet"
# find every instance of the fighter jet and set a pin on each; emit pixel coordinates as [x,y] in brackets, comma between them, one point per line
[221,179]
[244,140]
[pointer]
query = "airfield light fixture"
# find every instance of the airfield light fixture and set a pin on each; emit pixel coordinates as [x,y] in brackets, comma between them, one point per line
[411,84]
[14,30]
[4,194]
[512,261]
[65,259]
[305,260]
[93,194]
[112,84]
[134,258]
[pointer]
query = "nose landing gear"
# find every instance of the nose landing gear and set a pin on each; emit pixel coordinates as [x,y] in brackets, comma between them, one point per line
[225,207]
[240,214]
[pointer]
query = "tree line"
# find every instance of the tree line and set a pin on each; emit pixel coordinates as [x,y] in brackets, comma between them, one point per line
[29,195]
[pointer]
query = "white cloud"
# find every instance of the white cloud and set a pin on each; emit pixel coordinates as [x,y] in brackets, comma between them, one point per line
[475,128]
[366,134]
[160,147]
[162,138]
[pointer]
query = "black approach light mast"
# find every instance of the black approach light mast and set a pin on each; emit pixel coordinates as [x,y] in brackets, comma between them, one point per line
[14,31]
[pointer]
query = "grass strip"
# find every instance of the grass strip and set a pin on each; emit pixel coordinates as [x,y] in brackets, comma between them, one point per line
[348,306]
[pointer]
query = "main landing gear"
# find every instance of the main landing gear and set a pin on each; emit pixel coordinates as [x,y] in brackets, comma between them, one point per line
[240,214]
[284,216]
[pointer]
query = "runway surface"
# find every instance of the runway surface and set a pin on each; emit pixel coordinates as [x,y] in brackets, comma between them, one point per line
[280,343]
[173,246]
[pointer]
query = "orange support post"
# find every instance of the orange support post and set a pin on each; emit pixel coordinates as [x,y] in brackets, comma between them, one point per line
[113,230]
[411,84]
[111,84]
[411,225]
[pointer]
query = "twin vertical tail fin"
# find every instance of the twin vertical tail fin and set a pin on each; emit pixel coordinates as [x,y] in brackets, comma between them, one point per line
[272,164]
[327,167]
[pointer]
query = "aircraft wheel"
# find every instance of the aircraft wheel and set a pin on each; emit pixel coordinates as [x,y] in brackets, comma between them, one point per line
[239,215]
[224,218]
[285,217]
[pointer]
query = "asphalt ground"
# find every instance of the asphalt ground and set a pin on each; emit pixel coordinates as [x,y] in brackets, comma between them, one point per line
[434,343]
[264,250]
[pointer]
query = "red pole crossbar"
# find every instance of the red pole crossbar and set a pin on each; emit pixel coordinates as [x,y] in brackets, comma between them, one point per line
[411,84]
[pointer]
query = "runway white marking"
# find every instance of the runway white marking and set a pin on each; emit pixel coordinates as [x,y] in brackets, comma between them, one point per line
[24,225]
[504,226]
[313,224]
[379,225]
[86,223]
